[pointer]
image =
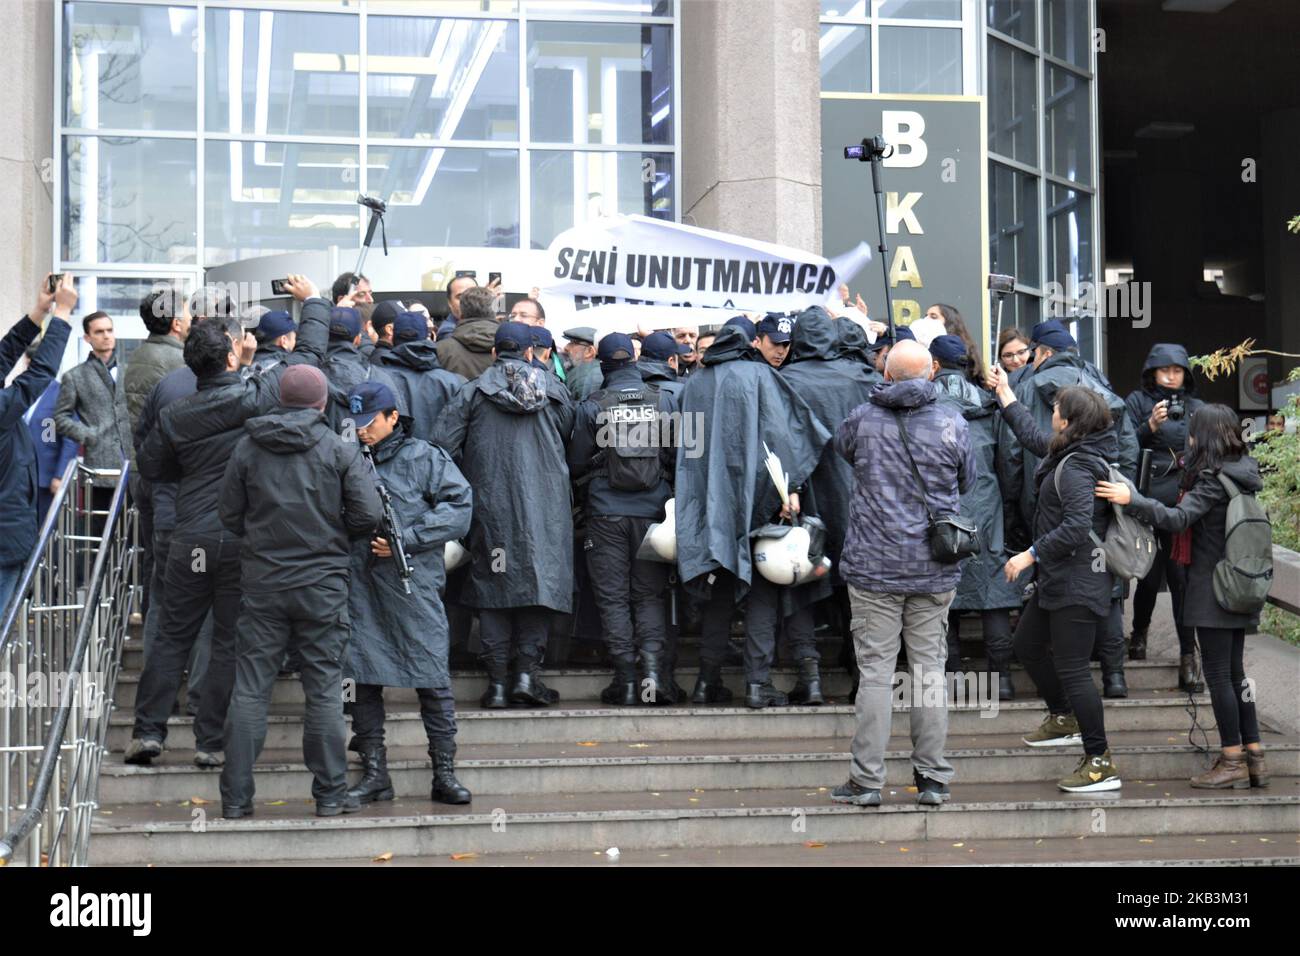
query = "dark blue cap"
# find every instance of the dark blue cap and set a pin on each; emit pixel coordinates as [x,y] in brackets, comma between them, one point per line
[369,399]
[742,323]
[275,324]
[542,338]
[615,347]
[776,327]
[513,337]
[1053,334]
[410,327]
[662,346]
[345,323]
[947,348]
[903,332]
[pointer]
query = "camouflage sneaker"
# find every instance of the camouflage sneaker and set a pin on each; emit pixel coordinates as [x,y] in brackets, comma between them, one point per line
[1093,775]
[1056,730]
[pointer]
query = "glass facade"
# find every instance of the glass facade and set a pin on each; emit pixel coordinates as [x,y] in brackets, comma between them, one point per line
[1042,141]
[194,134]
[1034,63]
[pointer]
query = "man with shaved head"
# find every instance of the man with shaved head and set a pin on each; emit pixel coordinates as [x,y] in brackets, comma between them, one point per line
[912,458]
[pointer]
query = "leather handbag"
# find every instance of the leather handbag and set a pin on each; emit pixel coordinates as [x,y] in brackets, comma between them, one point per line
[952,536]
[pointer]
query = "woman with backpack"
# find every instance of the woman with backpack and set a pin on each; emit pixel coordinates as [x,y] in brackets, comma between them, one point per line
[1198,522]
[1068,611]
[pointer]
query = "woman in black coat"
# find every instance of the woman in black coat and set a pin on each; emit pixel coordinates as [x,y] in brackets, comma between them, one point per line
[1067,614]
[1160,411]
[1215,449]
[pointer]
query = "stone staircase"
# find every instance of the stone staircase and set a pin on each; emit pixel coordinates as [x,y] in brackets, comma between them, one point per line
[707,786]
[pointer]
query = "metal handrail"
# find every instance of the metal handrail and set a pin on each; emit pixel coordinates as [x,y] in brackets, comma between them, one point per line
[38,552]
[70,759]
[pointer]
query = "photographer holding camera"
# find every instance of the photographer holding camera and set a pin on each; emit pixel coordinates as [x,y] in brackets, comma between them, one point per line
[1160,410]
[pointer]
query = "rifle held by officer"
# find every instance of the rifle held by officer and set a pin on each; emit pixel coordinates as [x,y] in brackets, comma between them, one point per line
[392,527]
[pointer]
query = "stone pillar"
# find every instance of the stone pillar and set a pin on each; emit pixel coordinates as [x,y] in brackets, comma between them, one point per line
[751,119]
[26,166]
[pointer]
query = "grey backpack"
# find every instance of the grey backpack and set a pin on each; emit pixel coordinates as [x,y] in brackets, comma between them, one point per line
[1243,576]
[1130,543]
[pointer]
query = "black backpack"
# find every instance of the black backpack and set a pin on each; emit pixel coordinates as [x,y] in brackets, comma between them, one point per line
[627,434]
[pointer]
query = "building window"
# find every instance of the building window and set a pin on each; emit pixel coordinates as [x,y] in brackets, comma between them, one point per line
[193,135]
[1040,80]
[892,46]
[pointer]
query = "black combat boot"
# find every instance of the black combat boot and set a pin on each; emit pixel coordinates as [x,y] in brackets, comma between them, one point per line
[527,689]
[621,691]
[808,689]
[497,696]
[446,788]
[1113,684]
[1189,674]
[375,784]
[1137,645]
[709,688]
[653,685]
[758,696]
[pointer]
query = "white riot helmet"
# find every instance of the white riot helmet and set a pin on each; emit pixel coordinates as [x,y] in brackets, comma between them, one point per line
[660,542]
[791,555]
[454,555]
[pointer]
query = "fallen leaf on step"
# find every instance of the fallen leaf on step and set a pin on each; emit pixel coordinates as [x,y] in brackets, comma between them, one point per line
[910,789]
[1201,840]
[903,849]
[699,789]
[1146,841]
[814,844]
[1036,842]
[467,856]
[183,803]
[638,746]
[383,857]
[693,799]
[588,743]
[199,801]
[277,803]
[959,844]
[1265,840]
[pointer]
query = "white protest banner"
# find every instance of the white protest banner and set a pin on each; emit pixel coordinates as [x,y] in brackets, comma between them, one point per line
[637,260]
[630,319]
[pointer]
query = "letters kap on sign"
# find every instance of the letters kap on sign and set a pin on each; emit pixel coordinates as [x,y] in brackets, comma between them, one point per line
[935,202]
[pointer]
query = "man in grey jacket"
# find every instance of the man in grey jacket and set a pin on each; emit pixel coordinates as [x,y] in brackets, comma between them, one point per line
[92,404]
[897,590]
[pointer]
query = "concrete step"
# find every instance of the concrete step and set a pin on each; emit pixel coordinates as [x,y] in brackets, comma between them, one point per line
[675,765]
[587,682]
[130,833]
[589,720]
[1215,849]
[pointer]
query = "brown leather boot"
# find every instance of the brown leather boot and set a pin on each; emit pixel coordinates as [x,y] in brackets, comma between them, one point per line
[1227,773]
[1258,771]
